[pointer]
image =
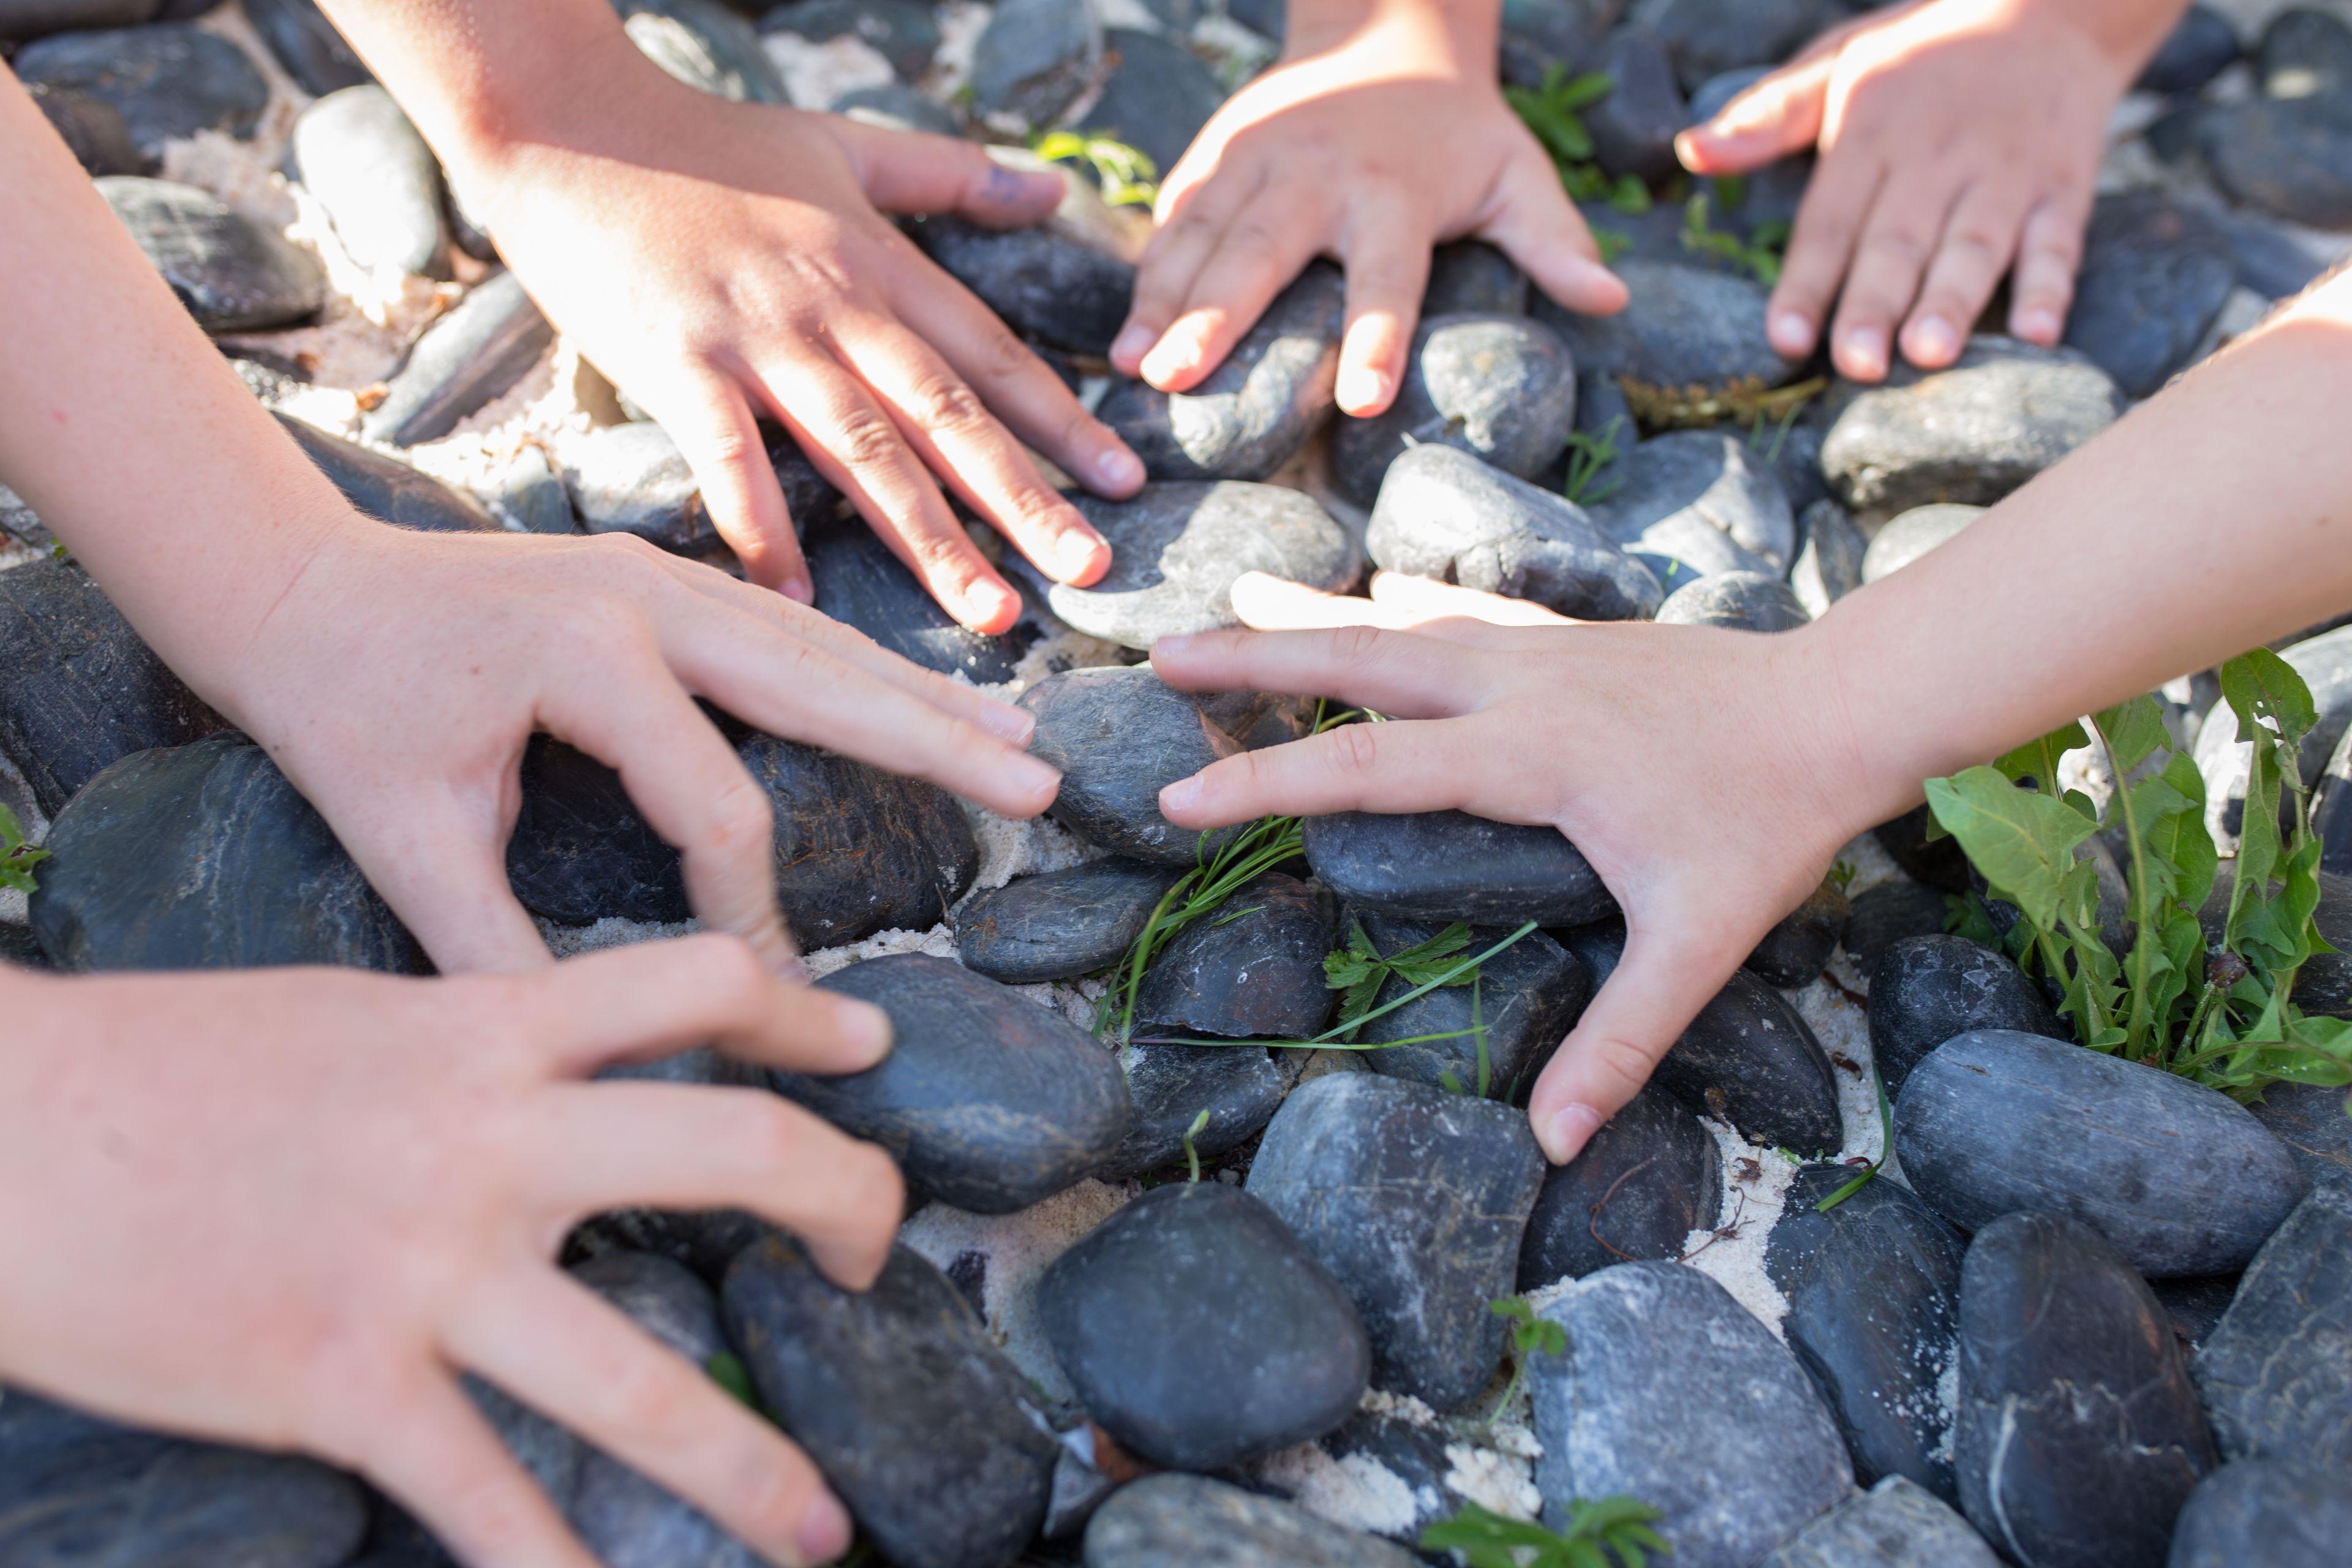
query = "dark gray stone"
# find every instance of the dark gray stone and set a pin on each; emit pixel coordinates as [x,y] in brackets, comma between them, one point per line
[1239,1086]
[2195,1305]
[1908,535]
[1252,971]
[897,107]
[2273,260]
[1743,601]
[1176,550]
[1895,1524]
[904,32]
[78,689]
[2311,1120]
[1670,1392]
[1926,989]
[77,1492]
[359,155]
[1634,127]
[1713,96]
[2155,274]
[1444,514]
[919,1423]
[2079,1436]
[2181,1178]
[1938,862]
[1540,36]
[167,81]
[860,583]
[1177,1521]
[387,489]
[2277,1512]
[313,52]
[1684,327]
[1648,1178]
[232,273]
[2303,51]
[706,45]
[23,20]
[470,356]
[2202,45]
[1120,737]
[1034,57]
[1796,951]
[1445,866]
[1043,284]
[989,1101]
[1681,488]
[2002,413]
[1888,913]
[1501,388]
[1874,1289]
[205,857]
[1709,37]
[1747,1059]
[1257,1349]
[2276,1373]
[1416,1200]
[528,496]
[1469,277]
[2284,157]
[91,129]
[632,479]
[703,1241]
[1255,409]
[1157,97]
[1061,924]
[1525,998]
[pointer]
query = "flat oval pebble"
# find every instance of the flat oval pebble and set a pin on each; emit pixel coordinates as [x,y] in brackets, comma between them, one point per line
[359,155]
[1157,96]
[1742,601]
[92,130]
[707,45]
[232,273]
[1177,549]
[1524,1001]
[1645,1180]
[1685,328]
[2079,1436]
[2282,156]
[1895,1524]
[1044,284]
[1254,970]
[1908,535]
[860,583]
[1501,388]
[2179,1177]
[1033,59]
[1183,1521]
[2202,45]
[168,80]
[1886,914]
[387,489]
[632,479]
[1257,408]
[2155,275]
[1257,1349]
[478,352]
[205,857]
[2277,1372]
[989,1101]
[1634,126]
[919,1423]
[1705,476]
[2277,1512]
[1829,564]
[1926,989]
[1120,737]
[1444,514]
[1796,949]
[313,52]
[1239,1086]
[1416,1200]
[1670,1392]
[1447,866]
[904,32]
[1060,925]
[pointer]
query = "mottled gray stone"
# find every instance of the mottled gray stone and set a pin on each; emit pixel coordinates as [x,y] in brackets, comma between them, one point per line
[2179,1177]
[1887,913]
[1256,408]
[232,273]
[1239,1086]
[2155,274]
[1446,865]
[1743,601]
[2310,1120]
[1257,1349]
[1670,1392]
[1177,549]
[1444,514]
[1525,999]
[1180,1521]
[1684,327]
[387,489]
[1541,35]
[1120,737]
[24,19]
[1645,1180]
[1060,925]
[1035,56]
[205,857]
[705,45]
[2202,45]
[1910,534]
[1999,414]
[475,353]
[1255,971]
[528,496]
[168,80]
[904,32]
[313,52]
[1926,989]
[1709,37]
[1157,96]
[1895,1524]
[989,1101]
[1502,387]
[703,1241]
[2286,156]
[632,479]
[1634,127]
[357,153]
[1044,284]
[2078,1436]
[1710,478]
[919,1423]
[860,583]
[2275,1512]
[1469,277]
[895,106]
[1796,949]
[2277,1373]
[91,129]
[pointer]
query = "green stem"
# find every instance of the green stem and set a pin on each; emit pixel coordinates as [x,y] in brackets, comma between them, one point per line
[2137,1027]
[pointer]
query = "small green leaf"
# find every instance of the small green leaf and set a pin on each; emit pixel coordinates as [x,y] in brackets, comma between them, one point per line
[17,857]
[728,1371]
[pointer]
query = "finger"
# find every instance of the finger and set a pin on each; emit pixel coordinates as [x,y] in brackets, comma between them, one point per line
[631,715]
[559,1347]
[1266,245]
[1391,672]
[857,446]
[1388,267]
[947,423]
[1780,115]
[1392,767]
[720,441]
[436,853]
[653,999]
[687,1147]
[916,172]
[1276,604]
[1897,242]
[1536,225]
[1658,987]
[1422,601]
[788,687]
[434,1454]
[1821,243]
[1188,235]
[2049,251]
[1975,250]
[1033,401]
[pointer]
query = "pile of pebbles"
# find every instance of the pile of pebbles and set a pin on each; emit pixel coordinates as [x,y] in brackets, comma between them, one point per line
[2087,1313]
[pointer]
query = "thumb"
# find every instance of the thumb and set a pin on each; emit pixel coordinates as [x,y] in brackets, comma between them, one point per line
[916,172]
[1778,116]
[1535,223]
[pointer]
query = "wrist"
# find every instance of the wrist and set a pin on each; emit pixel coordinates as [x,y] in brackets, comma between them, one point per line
[1459,37]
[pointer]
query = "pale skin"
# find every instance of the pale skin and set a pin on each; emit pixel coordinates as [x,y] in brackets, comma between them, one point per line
[726,262]
[1711,776]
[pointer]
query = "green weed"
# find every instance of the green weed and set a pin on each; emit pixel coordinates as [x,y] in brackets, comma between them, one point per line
[1759,254]
[1613,1533]
[1554,113]
[1589,452]
[17,857]
[1127,176]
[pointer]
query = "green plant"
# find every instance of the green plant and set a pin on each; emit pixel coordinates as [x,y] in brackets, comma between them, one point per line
[2222,1014]
[1758,255]
[1531,1335]
[1610,242]
[1589,452]
[1214,878]
[1128,175]
[1192,1155]
[1554,113]
[1870,1172]
[1358,971]
[1842,875]
[17,857]
[1613,1533]
[728,1371]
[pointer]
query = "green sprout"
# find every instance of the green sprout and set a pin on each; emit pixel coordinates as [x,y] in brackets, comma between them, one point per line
[1613,1533]
[1554,113]
[17,857]
[1759,254]
[728,1371]
[1885,1147]
[1842,875]
[1531,1335]
[1589,452]
[1128,176]
[1191,1155]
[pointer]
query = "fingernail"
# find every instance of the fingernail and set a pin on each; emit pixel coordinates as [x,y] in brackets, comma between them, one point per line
[1182,794]
[1572,1127]
[1172,358]
[1012,725]
[870,1028]
[1866,353]
[800,590]
[825,1529]
[2039,324]
[1792,333]
[990,602]
[1362,387]
[1079,554]
[1116,469]
[1131,344]
[1932,337]
[1036,775]
[1174,644]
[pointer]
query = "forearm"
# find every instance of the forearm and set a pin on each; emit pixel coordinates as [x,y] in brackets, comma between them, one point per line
[2212,518]
[128,432]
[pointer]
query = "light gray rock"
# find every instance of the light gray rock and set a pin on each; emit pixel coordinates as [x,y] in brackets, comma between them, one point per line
[1683,328]
[1706,475]
[473,355]
[1895,1524]
[2277,1512]
[1175,1520]
[1911,534]
[357,153]
[1830,563]
[2277,1373]
[1502,387]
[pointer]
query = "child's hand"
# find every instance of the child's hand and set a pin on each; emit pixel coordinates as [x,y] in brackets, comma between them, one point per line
[1956,137]
[1369,142]
[1700,772]
[288,1208]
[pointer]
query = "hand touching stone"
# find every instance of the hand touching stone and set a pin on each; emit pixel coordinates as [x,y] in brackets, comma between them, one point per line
[287,1209]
